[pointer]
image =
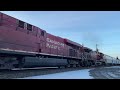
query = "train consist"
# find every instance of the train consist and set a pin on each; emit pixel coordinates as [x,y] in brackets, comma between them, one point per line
[25,45]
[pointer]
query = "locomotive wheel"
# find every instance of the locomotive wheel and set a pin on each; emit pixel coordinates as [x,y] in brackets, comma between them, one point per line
[7,63]
[84,64]
[78,65]
[68,66]
[61,67]
[74,66]
[90,63]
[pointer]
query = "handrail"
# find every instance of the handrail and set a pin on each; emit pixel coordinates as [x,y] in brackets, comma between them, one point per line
[1,18]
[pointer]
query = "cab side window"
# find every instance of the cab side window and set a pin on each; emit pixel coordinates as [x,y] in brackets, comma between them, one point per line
[42,33]
[21,24]
[29,27]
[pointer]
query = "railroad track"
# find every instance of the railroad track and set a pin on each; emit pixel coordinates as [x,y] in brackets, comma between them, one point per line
[106,73]
[36,68]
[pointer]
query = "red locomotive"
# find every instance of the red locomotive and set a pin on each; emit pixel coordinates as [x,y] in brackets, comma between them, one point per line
[25,45]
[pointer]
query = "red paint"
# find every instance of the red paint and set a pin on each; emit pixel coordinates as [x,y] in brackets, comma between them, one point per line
[16,38]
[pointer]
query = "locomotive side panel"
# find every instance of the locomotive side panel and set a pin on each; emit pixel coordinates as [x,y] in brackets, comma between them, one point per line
[94,55]
[73,48]
[41,41]
[14,37]
[55,45]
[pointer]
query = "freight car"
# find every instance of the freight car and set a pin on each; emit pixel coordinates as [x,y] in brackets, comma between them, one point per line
[111,60]
[25,45]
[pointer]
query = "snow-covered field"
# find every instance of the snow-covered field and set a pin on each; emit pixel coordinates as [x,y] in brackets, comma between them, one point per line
[79,74]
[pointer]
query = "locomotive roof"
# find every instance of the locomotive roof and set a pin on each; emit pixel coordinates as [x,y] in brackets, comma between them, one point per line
[22,20]
[72,42]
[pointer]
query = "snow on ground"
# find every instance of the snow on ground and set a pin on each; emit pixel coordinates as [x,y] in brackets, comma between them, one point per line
[79,74]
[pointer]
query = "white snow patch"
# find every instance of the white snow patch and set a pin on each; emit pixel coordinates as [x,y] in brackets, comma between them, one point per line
[79,74]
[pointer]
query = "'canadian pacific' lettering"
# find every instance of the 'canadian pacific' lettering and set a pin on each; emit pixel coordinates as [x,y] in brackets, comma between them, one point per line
[53,44]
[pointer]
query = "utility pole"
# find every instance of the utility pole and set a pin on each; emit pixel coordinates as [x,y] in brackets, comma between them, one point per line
[82,44]
[96,47]
[117,57]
